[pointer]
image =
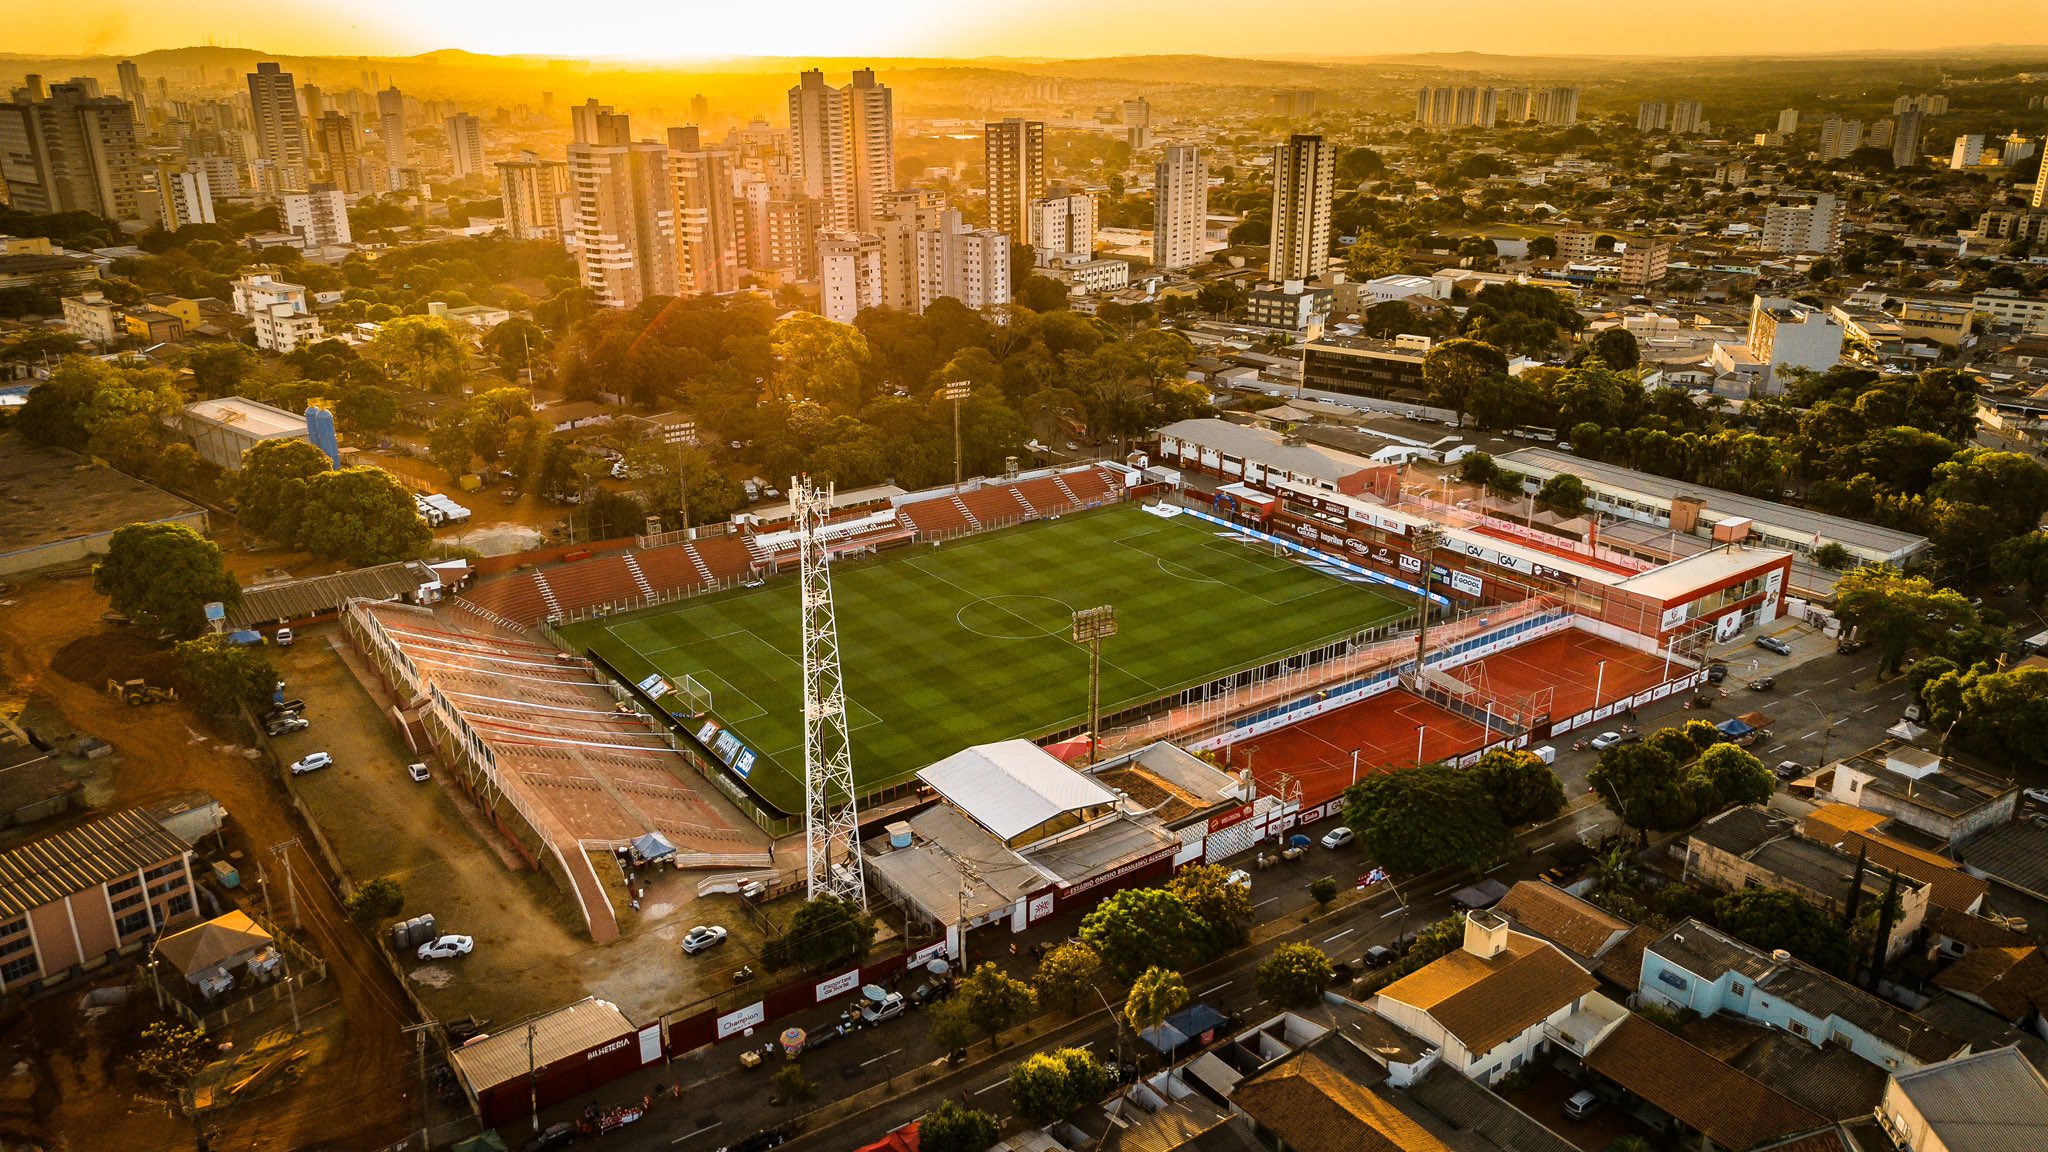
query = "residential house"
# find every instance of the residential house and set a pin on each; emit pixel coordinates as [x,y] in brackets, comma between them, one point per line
[1920,789]
[1984,1102]
[1861,830]
[1584,930]
[1752,847]
[1727,1108]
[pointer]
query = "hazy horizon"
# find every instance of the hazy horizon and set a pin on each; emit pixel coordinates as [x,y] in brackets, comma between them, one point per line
[650,32]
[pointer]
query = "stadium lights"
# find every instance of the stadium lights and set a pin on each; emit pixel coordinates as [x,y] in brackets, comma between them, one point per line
[1091,627]
[956,391]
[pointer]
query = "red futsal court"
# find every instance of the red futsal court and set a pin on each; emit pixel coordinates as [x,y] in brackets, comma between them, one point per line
[1569,664]
[1383,730]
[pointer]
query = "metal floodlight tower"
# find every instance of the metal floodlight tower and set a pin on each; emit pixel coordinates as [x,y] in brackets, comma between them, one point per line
[831,823]
[1091,627]
[956,392]
[1425,538]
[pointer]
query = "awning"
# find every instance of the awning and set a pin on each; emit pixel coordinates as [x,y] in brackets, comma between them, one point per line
[1183,1026]
[653,846]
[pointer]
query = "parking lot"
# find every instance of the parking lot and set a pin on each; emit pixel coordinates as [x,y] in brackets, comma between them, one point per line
[532,952]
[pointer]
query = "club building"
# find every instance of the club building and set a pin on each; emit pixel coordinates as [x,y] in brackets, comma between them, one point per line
[71,900]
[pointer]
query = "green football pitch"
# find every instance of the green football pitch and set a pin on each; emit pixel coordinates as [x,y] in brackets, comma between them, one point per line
[946,647]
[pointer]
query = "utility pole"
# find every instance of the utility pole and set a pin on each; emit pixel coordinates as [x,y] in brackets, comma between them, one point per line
[532,1077]
[1091,627]
[419,1034]
[283,852]
[956,391]
[291,991]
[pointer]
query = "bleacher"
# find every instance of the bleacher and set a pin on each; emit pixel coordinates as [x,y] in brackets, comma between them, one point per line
[516,597]
[603,579]
[993,505]
[932,519]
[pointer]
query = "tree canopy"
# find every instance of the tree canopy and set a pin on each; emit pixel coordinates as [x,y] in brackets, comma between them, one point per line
[1417,819]
[163,575]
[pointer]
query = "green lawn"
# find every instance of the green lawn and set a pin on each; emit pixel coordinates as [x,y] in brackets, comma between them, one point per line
[946,647]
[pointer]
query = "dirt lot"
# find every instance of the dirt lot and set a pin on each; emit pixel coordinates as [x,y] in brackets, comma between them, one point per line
[84,1099]
[532,949]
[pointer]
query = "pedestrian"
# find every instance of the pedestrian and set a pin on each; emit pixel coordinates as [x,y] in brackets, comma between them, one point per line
[636,905]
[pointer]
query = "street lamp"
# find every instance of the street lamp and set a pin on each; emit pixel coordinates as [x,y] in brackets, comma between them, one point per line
[956,391]
[1091,627]
[1354,765]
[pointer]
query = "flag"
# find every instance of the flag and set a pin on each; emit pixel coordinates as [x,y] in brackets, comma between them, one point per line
[1371,878]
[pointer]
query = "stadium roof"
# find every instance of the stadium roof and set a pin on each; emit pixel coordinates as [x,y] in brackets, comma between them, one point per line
[1013,786]
[299,599]
[1268,448]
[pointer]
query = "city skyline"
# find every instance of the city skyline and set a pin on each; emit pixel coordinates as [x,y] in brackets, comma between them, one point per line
[1011,31]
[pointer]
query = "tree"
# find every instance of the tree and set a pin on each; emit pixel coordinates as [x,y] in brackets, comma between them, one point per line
[1323,889]
[162,576]
[221,676]
[515,344]
[1220,297]
[1833,556]
[1616,348]
[1390,318]
[270,490]
[1156,994]
[2023,560]
[171,1054]
[1643,785]
[792,1086]
[995,999]
[219,368]
[825,932]
[952,1127]
[1050,1085]
[361,515]
[1041,294]
[1478,468]
[378,899]
[127,417]
[2001,714]
[1524,789]
[52,414]
[1224,907]
[1773,918]
[1140,928]
[951,1030]
[1419,819]
[1067,975]
[1895,611]
[1564,494]
[1728,775]
[1294,975]
[818,360]
[423,352]
[1454,368]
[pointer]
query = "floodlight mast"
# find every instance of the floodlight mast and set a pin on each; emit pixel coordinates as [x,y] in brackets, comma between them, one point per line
[1091,627]
[831,822]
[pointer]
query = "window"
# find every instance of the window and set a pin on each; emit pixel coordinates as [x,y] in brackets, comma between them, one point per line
[13,928]
[171,885]
[1737,989]
[180,904]
[1797,1028]
[127,902]
[20,969]
[123,885]
[132,923]
[163,870]
[1667,976]
[20,945]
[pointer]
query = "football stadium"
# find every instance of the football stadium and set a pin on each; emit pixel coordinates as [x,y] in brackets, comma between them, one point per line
[967,640]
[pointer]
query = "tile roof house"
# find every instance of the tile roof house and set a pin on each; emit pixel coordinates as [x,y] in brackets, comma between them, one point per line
[1752,847]
[1311,1107]
[1487,1004]
[1730,1109]
[2012,982]
[1584,930]
[1852,830]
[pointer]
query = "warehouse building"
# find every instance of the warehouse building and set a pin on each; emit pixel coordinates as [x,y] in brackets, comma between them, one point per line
[71,900]
[61,508]
[223,429]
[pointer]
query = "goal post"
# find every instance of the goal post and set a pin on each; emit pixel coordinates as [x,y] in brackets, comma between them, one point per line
[694,694]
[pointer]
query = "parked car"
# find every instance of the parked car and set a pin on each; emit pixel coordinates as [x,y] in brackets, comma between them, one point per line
[1773,644]
[312,763]
[1582,1104]
[1606,740]
[286,725]
[2037,795]
[701,937]
[1378,956]
[418,772]
[1789,770]
[1239,876]
[1337,837]
[284,637]
[890,1008]
[552,1136]
[446,947]
[1717,673]
[1763,684]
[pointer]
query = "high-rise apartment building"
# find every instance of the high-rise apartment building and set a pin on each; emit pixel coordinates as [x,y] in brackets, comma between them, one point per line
[74,151]
[391,130]
[620,213]
[842,146]
[1906,139]
[972,265]
[1511,105]
[1839,137]
[1559,106]
[1652,116]
[1180,207]
[1788,121]
[133,90]
[1304,178]
[531,190]
[1803,222]
[1460,107]
[1687,118]
[1967,153]
[700,112]
[707,240]
[336,143]
[280,132]
[1061,225]
[1137,112]
[465,145]
[319,216]
[849,274]
[1014,151]
[187,196]
[903,216]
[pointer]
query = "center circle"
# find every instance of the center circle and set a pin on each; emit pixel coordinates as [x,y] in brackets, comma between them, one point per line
[1016,617]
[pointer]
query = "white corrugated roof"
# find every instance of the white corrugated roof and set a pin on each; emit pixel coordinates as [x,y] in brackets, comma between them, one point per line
[1012,786]
[557,1035]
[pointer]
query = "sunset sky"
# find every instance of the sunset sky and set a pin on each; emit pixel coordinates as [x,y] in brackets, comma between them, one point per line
[663,29]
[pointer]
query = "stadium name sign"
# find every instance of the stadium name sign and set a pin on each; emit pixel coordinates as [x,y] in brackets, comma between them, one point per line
[1145,861]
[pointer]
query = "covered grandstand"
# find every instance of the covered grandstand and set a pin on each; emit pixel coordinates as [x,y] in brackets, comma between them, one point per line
[536,733]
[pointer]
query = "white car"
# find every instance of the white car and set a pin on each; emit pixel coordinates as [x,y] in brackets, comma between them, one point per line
[2037,795]
[418,772]
[1337,837]
[1239,876]
[1606,740]
[446,947]
[312,763]
[701,937]
[890,1008]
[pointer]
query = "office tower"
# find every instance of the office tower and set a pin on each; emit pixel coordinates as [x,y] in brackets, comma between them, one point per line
[1968,153]
[620,211]
[187,196]
[335,142]
[1788,121]
[700,111]
[1686,118]
[1014,151]
[1652,116]
[902,216]
[841,146]
[707,244]
[132,89]
[1803,222]
[1061,225]
[74,151]
[849,274]
[465,145]
[531,191]
[319,215]
[972,265]
[1304,176]
[1180,207]
[1138,112]
[1558,106]
[391,128]
[1906,139]
[280,133]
